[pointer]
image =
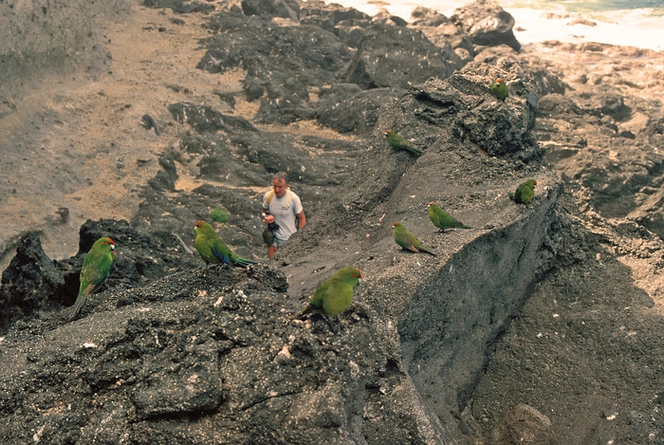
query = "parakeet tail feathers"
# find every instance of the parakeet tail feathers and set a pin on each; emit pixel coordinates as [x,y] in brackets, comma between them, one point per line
[76,308]
[424,249]
[412,149]
[307,310]
[244,262]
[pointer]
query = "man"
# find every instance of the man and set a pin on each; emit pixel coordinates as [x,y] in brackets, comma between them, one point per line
[283,208]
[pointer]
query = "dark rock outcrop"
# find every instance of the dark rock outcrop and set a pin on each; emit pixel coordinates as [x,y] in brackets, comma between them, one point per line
[356,114]
[392,56]
[30,283]
[472,114]
[539,75]
[214,348]
[206,119]
[180,6]
[33,282]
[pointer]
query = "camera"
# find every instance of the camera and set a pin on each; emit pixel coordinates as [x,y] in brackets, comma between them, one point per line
[273,226]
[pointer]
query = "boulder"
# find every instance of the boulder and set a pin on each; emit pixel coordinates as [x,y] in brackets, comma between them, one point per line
[486,23]
[328,15]
[422,16]
[268,9]
[523,424]
[447,34]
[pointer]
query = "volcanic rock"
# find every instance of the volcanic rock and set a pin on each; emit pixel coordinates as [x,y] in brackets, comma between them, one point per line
[487,23]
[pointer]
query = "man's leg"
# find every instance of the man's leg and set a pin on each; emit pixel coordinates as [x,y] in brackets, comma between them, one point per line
[271,250]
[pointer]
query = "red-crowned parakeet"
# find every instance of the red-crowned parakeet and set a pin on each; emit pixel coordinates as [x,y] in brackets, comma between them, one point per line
[525,192]
[443,220]
[399,142]
[499,89]
[213,250]
[407,240]
[96,266]
[334,295]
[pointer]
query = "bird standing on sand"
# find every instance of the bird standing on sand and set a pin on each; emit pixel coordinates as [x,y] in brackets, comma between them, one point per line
[407,240]
[212,248]
[499,89]
[525,192]
[334,295]
[443,220]
[399,142]
[96,266]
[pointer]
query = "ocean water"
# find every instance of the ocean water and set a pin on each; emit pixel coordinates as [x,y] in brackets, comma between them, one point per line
[618,22]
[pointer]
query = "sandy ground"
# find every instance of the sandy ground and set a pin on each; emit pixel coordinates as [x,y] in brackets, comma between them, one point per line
[78,143]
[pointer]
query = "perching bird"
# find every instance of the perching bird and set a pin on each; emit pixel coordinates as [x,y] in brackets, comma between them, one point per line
[407,240]
[399,142]
[213,250]
[96,266]
[334,295]
[499,89]
[443,220]
[524,192]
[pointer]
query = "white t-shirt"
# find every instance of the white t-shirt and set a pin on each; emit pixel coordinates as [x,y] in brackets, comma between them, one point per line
[284,211]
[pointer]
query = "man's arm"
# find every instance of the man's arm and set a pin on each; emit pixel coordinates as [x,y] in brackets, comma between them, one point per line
[302,220]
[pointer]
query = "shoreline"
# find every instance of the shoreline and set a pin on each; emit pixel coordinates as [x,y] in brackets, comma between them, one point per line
[640,28]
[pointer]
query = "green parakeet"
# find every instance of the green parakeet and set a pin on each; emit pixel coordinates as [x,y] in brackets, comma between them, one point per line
[407,240]
[334,295]
[524,192]
[499,89]
[96,266]
[443,220]
[397,141]
[213,250]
